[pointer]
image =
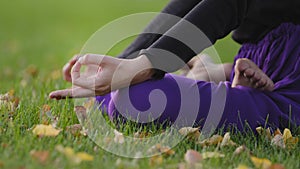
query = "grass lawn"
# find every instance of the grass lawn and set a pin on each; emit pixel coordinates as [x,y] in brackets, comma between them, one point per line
[36,39]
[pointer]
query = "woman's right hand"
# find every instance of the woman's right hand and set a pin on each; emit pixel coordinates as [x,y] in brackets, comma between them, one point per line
[68,67]
[103,74]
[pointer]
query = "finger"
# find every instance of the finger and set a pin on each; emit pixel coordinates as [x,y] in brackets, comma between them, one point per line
[75,71]
[67,68]
[67,72]
[71,93]
[84,80]
[75,59]
[91,59]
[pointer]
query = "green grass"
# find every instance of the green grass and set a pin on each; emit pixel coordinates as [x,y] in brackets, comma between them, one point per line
[44,35]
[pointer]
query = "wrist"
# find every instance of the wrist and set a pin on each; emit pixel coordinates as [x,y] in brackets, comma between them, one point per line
[142,69]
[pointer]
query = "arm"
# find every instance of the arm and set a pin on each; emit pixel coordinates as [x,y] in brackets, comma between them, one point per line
[215,18]
[178,8]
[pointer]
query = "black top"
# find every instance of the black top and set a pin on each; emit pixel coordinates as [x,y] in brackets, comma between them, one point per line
[250,21]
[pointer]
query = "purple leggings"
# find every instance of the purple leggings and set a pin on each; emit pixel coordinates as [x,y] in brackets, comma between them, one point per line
[178,99]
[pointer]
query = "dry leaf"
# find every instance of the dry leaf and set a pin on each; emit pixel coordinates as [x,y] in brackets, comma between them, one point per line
[74,129]
[156,160]
[192,157]
[90,103]
[140,135]
[277,131]
[84,131]
[119,138]
[276,166]
[261,163]
[32,70]
[46,108]
[81,113]
[240,150]
[158,149]
[214,140]
[40,156]
[190,132]
[227,141]
[287,134]
[289,140]
[264,132]
[84,156]
[72,156]
[242,166]
[46,115]
[207,155]
[278,141]
[45,130]
[167,151]
[9,100]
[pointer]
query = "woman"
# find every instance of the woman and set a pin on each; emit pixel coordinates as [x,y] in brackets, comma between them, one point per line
[268,63]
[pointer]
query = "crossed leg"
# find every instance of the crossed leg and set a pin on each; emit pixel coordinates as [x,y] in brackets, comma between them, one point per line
[205,69]
[247,73]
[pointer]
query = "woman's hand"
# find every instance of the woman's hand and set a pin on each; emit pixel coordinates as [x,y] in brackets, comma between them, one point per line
[102,75]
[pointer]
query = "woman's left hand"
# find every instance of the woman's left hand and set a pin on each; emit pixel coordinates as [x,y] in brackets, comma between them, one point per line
[104,74]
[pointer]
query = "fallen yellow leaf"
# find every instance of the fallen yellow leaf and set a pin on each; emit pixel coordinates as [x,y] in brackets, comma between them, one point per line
[156,160]
[45,130]
[264,132]
[289,140]
[72,156]
[214,140]
[207,155]
[84,156]
[190,132]
[242,166]
[261,163]
[227,141]
[158,149]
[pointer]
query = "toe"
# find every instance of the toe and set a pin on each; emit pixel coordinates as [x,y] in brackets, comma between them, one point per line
[249,73]
[241,65]
[261,83]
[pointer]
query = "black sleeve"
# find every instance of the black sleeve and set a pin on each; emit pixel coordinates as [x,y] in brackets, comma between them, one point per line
[215,18]
[159,26]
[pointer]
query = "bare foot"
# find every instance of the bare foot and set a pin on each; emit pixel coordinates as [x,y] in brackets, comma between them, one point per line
[205,69]
[248,74]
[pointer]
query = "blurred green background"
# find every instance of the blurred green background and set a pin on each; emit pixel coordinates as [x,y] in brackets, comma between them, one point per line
[46,34]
